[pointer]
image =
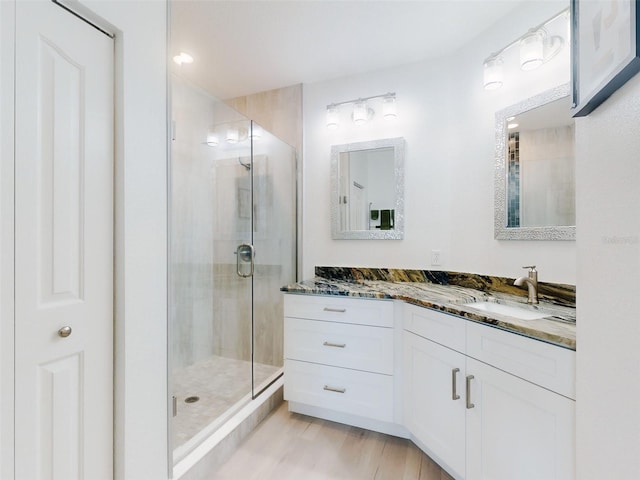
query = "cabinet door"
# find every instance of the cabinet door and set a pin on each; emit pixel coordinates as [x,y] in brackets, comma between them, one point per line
[432,415]
[517,430]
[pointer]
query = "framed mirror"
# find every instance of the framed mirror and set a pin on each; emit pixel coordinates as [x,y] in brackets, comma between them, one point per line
[535,169]
[367,190]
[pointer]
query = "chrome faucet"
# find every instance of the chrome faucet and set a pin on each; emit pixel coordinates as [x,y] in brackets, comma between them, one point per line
[532,284]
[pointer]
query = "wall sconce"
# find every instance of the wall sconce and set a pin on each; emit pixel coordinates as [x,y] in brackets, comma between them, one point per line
[536,47]
[362,111]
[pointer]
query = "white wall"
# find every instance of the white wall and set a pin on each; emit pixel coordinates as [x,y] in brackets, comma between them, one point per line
[7,27]
[447,120]
[141,235]
[608,238]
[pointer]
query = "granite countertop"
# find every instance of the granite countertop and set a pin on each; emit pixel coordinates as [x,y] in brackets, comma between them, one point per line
[558,327]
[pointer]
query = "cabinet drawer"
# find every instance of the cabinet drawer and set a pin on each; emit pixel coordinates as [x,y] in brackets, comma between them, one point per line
[337,309]
[439,327]
[541,363]
[340,344]
[364,394]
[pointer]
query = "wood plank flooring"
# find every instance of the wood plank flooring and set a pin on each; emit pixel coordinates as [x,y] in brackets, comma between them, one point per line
[292,446]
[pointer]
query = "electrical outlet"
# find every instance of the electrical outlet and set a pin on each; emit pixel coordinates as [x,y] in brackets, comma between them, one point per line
[436,257]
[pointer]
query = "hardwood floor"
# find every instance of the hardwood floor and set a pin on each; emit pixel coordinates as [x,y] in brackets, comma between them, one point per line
[292,446]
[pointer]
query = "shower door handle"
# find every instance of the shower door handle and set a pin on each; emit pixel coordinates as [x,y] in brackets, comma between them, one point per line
[244,254]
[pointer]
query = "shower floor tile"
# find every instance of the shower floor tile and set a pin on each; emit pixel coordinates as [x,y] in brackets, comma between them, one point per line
[219,383]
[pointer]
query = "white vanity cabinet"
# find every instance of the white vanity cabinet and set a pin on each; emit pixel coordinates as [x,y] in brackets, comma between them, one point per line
[339,358]
[488,404]
[434,409]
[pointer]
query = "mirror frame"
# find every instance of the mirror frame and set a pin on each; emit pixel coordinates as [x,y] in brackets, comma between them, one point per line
[398,158]
[501,231]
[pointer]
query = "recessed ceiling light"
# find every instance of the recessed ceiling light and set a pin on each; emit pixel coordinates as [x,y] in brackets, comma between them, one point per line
[512,125]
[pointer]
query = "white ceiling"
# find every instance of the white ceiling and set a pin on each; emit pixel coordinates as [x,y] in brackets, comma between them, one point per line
[243,47]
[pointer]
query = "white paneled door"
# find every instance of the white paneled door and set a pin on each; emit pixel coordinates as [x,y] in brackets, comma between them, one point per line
[63,247]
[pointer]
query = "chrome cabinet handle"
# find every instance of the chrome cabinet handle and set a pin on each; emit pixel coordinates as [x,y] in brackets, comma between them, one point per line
[469,404]
[454,393]
[64,332]
[241,254]
[337,310]
[337,345]
[334,389]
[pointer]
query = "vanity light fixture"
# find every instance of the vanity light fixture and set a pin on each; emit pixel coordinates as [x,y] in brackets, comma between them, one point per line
[231,134]
[183,57]
[536,47]
[361,111]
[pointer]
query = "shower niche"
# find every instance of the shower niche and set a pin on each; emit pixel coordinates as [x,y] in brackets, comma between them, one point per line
[233,245]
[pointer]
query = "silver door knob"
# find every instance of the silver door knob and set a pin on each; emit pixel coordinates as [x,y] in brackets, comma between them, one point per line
[64,332]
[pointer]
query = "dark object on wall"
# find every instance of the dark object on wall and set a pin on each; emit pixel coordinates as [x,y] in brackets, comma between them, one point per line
[387,219]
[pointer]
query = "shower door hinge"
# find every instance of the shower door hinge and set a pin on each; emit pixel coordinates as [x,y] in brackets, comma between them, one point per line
[174,400]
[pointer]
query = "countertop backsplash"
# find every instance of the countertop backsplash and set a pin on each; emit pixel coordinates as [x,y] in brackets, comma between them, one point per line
[556,293]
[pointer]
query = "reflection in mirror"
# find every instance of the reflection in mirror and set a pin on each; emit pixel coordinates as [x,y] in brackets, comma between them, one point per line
[367,182]
[535,169]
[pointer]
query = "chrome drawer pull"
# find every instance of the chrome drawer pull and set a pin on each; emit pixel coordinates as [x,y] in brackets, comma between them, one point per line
[454,393]
[469,404]
[337,310]
[334,389]
[338,345]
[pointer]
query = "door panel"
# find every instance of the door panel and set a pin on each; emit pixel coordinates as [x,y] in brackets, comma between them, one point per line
[60,162]
[273,234]
[517,429]
[434,375]
[64,246]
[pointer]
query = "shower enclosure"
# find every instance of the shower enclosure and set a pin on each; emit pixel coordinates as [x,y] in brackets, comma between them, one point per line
[233,245]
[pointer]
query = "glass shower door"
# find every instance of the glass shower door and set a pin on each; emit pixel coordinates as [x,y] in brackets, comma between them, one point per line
[233,245]
[210,303]
[274,240]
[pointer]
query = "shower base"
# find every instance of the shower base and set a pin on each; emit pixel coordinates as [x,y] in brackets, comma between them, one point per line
[208,393]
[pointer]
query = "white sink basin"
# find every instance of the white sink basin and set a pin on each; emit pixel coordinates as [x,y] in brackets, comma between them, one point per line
[508,310]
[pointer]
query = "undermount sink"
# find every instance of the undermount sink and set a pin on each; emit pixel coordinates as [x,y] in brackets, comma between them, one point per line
[522,313]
